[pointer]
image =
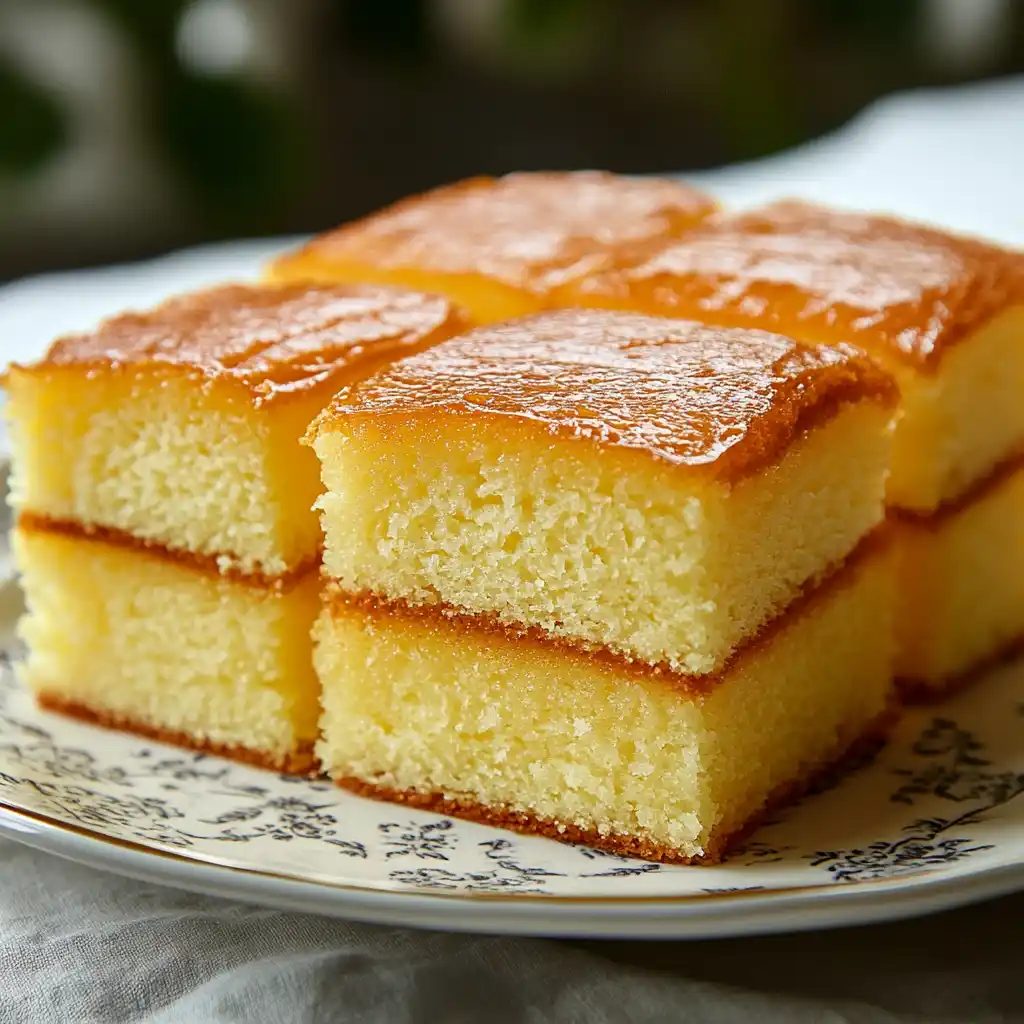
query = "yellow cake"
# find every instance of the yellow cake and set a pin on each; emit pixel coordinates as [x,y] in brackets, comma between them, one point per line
[468,719]
[136,639]
[962,582]
[159,456]
[180,426]
[586,528]
[945,315]
[499,246]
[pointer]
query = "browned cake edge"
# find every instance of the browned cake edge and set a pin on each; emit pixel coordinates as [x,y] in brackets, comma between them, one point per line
[802,401]
[322,250]
[196,337]
[341,603]
[300,761]
[848,756]
[207,565]
[917,691]
[1001,274]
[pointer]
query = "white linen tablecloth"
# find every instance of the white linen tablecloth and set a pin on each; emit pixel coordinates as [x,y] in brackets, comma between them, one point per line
[78,945]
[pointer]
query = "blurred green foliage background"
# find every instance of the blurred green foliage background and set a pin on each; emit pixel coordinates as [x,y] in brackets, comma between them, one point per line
[199,119]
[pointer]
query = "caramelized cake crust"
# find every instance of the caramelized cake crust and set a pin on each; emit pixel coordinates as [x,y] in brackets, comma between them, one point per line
[499,245]
[274,340]
[944,314]
[905,289]
[702,398]
[180,426]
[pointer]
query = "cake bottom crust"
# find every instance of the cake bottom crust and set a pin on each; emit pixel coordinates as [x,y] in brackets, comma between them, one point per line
[300,761]
[922,692]
[821,777]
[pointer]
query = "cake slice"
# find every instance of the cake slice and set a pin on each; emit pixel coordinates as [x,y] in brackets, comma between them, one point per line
[655,487]
[945,315]
[962,585]
[604,576]
[179,427]
[498,246]
[141,640]
[166,540]
[461,717]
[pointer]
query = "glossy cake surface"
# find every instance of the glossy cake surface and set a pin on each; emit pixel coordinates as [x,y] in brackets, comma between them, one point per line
[498,246]
[874,281]
[646,485]
[605,577]
[695,397]
[275,341]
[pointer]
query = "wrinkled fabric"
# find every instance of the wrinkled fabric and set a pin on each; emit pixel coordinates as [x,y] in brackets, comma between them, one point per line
[80,945]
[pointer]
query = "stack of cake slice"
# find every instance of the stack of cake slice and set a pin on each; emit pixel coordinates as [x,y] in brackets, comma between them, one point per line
[628,573]
[606,577]
[500,247]
[945,315]
[166,539]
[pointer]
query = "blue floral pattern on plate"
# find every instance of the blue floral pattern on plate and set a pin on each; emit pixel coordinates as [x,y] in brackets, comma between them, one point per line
[944,796]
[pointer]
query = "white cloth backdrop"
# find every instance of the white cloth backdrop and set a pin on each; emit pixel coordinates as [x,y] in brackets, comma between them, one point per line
[78,945]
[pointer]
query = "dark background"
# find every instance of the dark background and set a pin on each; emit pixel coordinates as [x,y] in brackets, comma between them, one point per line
[128,127]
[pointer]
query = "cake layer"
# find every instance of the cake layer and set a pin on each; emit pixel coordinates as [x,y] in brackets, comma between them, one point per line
[463,716]
[181,426]
[962,586]
[137,640]
[499,246]
[652,486]
[944,314]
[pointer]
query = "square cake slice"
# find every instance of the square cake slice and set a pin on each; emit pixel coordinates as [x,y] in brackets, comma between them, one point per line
[654,487]
[499,246]
[180,426]
[461,716]
[166,540]
[141,640]
[945,315]
[610,578]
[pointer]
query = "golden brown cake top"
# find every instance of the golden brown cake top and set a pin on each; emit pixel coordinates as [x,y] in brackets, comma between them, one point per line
[825,275]
[531,230]
[275,340]
[726,399]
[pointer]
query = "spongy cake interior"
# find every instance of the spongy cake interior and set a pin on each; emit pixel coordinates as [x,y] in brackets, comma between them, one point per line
[961,420]
[161,645]
[160,455]
[962,585]
[597,544]
[415,702]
